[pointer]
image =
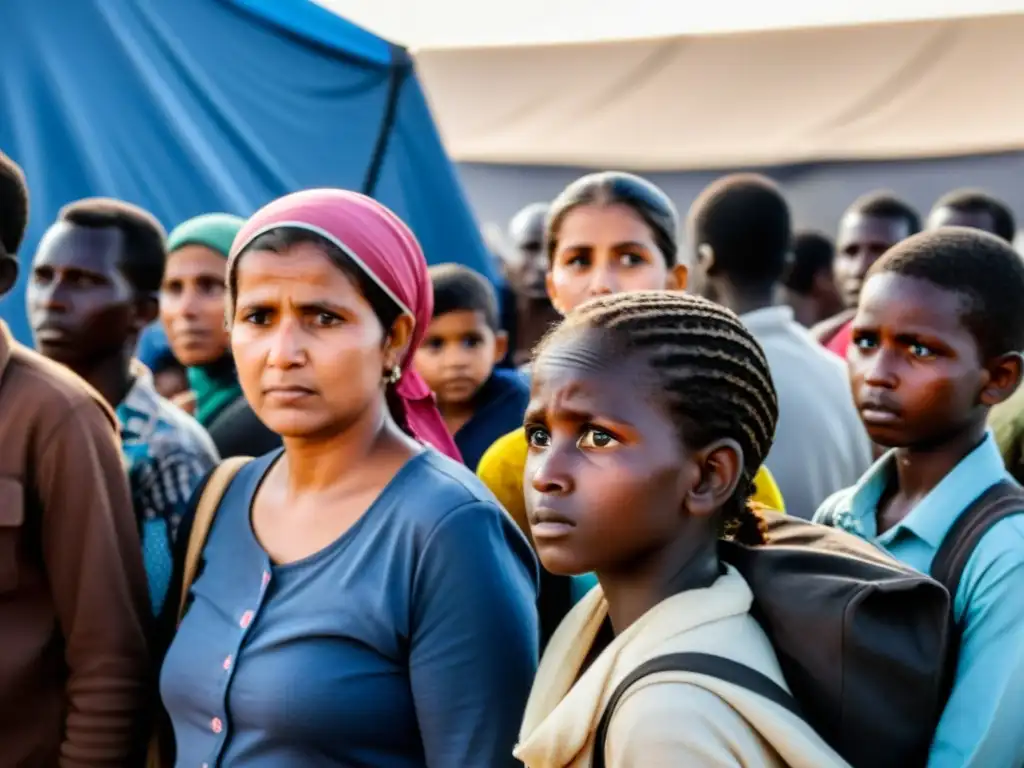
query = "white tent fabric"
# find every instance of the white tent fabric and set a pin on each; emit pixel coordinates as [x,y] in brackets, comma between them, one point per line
[871,92]
[538,91]
[425,24]
[685,100]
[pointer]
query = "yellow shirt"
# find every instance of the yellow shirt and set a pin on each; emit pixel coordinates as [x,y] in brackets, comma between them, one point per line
[503,465]
[1006,421]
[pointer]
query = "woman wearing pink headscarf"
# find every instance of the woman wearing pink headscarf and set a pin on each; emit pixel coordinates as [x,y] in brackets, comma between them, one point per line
[362,599]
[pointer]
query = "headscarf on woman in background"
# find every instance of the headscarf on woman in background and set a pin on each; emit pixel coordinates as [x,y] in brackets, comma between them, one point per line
[192,311]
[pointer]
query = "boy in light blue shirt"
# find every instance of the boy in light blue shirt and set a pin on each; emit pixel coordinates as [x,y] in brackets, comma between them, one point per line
[936,343]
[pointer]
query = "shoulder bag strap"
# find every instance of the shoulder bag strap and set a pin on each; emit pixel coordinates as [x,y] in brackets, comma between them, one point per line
[700,663]
[206,509]
[1002,500]
[158,753]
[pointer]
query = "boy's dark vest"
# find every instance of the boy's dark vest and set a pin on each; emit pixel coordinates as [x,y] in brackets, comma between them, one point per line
[867,644]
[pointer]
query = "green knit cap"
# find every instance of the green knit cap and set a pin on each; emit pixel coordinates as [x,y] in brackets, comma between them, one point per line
[214,230]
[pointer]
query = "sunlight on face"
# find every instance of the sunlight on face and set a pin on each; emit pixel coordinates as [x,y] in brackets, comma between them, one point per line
[604,249]
[308,346]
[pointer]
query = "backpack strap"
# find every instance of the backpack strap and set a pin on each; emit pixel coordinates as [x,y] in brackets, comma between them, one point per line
[206,510]
[702,664]
[158,753]
[1002,500]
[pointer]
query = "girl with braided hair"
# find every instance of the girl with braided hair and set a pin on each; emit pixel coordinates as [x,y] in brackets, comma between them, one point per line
[606,233]
[650,414]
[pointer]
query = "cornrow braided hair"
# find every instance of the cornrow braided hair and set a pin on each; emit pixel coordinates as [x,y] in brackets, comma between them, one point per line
[712,373]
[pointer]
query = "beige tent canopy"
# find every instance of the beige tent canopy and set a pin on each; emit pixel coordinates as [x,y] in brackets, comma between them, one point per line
[883,91]
[431,24]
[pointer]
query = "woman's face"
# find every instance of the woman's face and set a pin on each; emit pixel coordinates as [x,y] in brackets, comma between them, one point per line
[310,351]
[607,476]
[192,305]
[603,249]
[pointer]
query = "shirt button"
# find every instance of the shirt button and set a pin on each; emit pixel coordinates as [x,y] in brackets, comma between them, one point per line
[246,620]
[227,663]
[216,725]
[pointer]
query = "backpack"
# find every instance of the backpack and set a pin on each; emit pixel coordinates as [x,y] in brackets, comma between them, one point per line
[1000,501]
[861,639]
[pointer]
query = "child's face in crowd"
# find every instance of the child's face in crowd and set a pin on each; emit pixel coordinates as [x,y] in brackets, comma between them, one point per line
[192,305]
[606,475]
[605,249]
[457,355]
[916,371]
[860,243]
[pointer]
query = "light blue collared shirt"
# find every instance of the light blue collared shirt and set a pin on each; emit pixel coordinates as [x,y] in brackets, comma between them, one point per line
[982,725]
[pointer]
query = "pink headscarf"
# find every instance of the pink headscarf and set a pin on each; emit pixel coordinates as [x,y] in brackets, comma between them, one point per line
[381,245]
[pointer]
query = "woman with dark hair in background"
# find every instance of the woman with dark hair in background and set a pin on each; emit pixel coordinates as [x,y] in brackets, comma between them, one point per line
[192,312]
[362,599]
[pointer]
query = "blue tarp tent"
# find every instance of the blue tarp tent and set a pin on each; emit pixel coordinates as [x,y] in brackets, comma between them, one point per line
[190,106]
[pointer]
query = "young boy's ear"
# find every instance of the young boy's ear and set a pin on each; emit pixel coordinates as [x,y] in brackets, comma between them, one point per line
[500,346]
[1004,374]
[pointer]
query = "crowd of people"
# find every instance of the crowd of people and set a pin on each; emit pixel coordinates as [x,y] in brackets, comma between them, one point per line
[360,511]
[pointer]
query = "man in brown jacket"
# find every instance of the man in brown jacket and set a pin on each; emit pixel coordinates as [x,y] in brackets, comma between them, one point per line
[74,668]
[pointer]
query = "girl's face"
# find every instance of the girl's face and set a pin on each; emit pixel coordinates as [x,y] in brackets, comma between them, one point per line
[607,477]
[603,249]
[310,351]
[192,305]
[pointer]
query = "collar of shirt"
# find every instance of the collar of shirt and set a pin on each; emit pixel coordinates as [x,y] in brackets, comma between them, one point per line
[138,413]
[935,514]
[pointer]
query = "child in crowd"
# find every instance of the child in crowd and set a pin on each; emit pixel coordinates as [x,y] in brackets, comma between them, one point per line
[606,233]
[457,359]
[935,344]
[650,414]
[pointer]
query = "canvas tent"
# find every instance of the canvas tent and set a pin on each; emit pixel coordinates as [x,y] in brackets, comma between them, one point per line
[920,107]
[192,106]
[887,91]
[469,24]
[832,99]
